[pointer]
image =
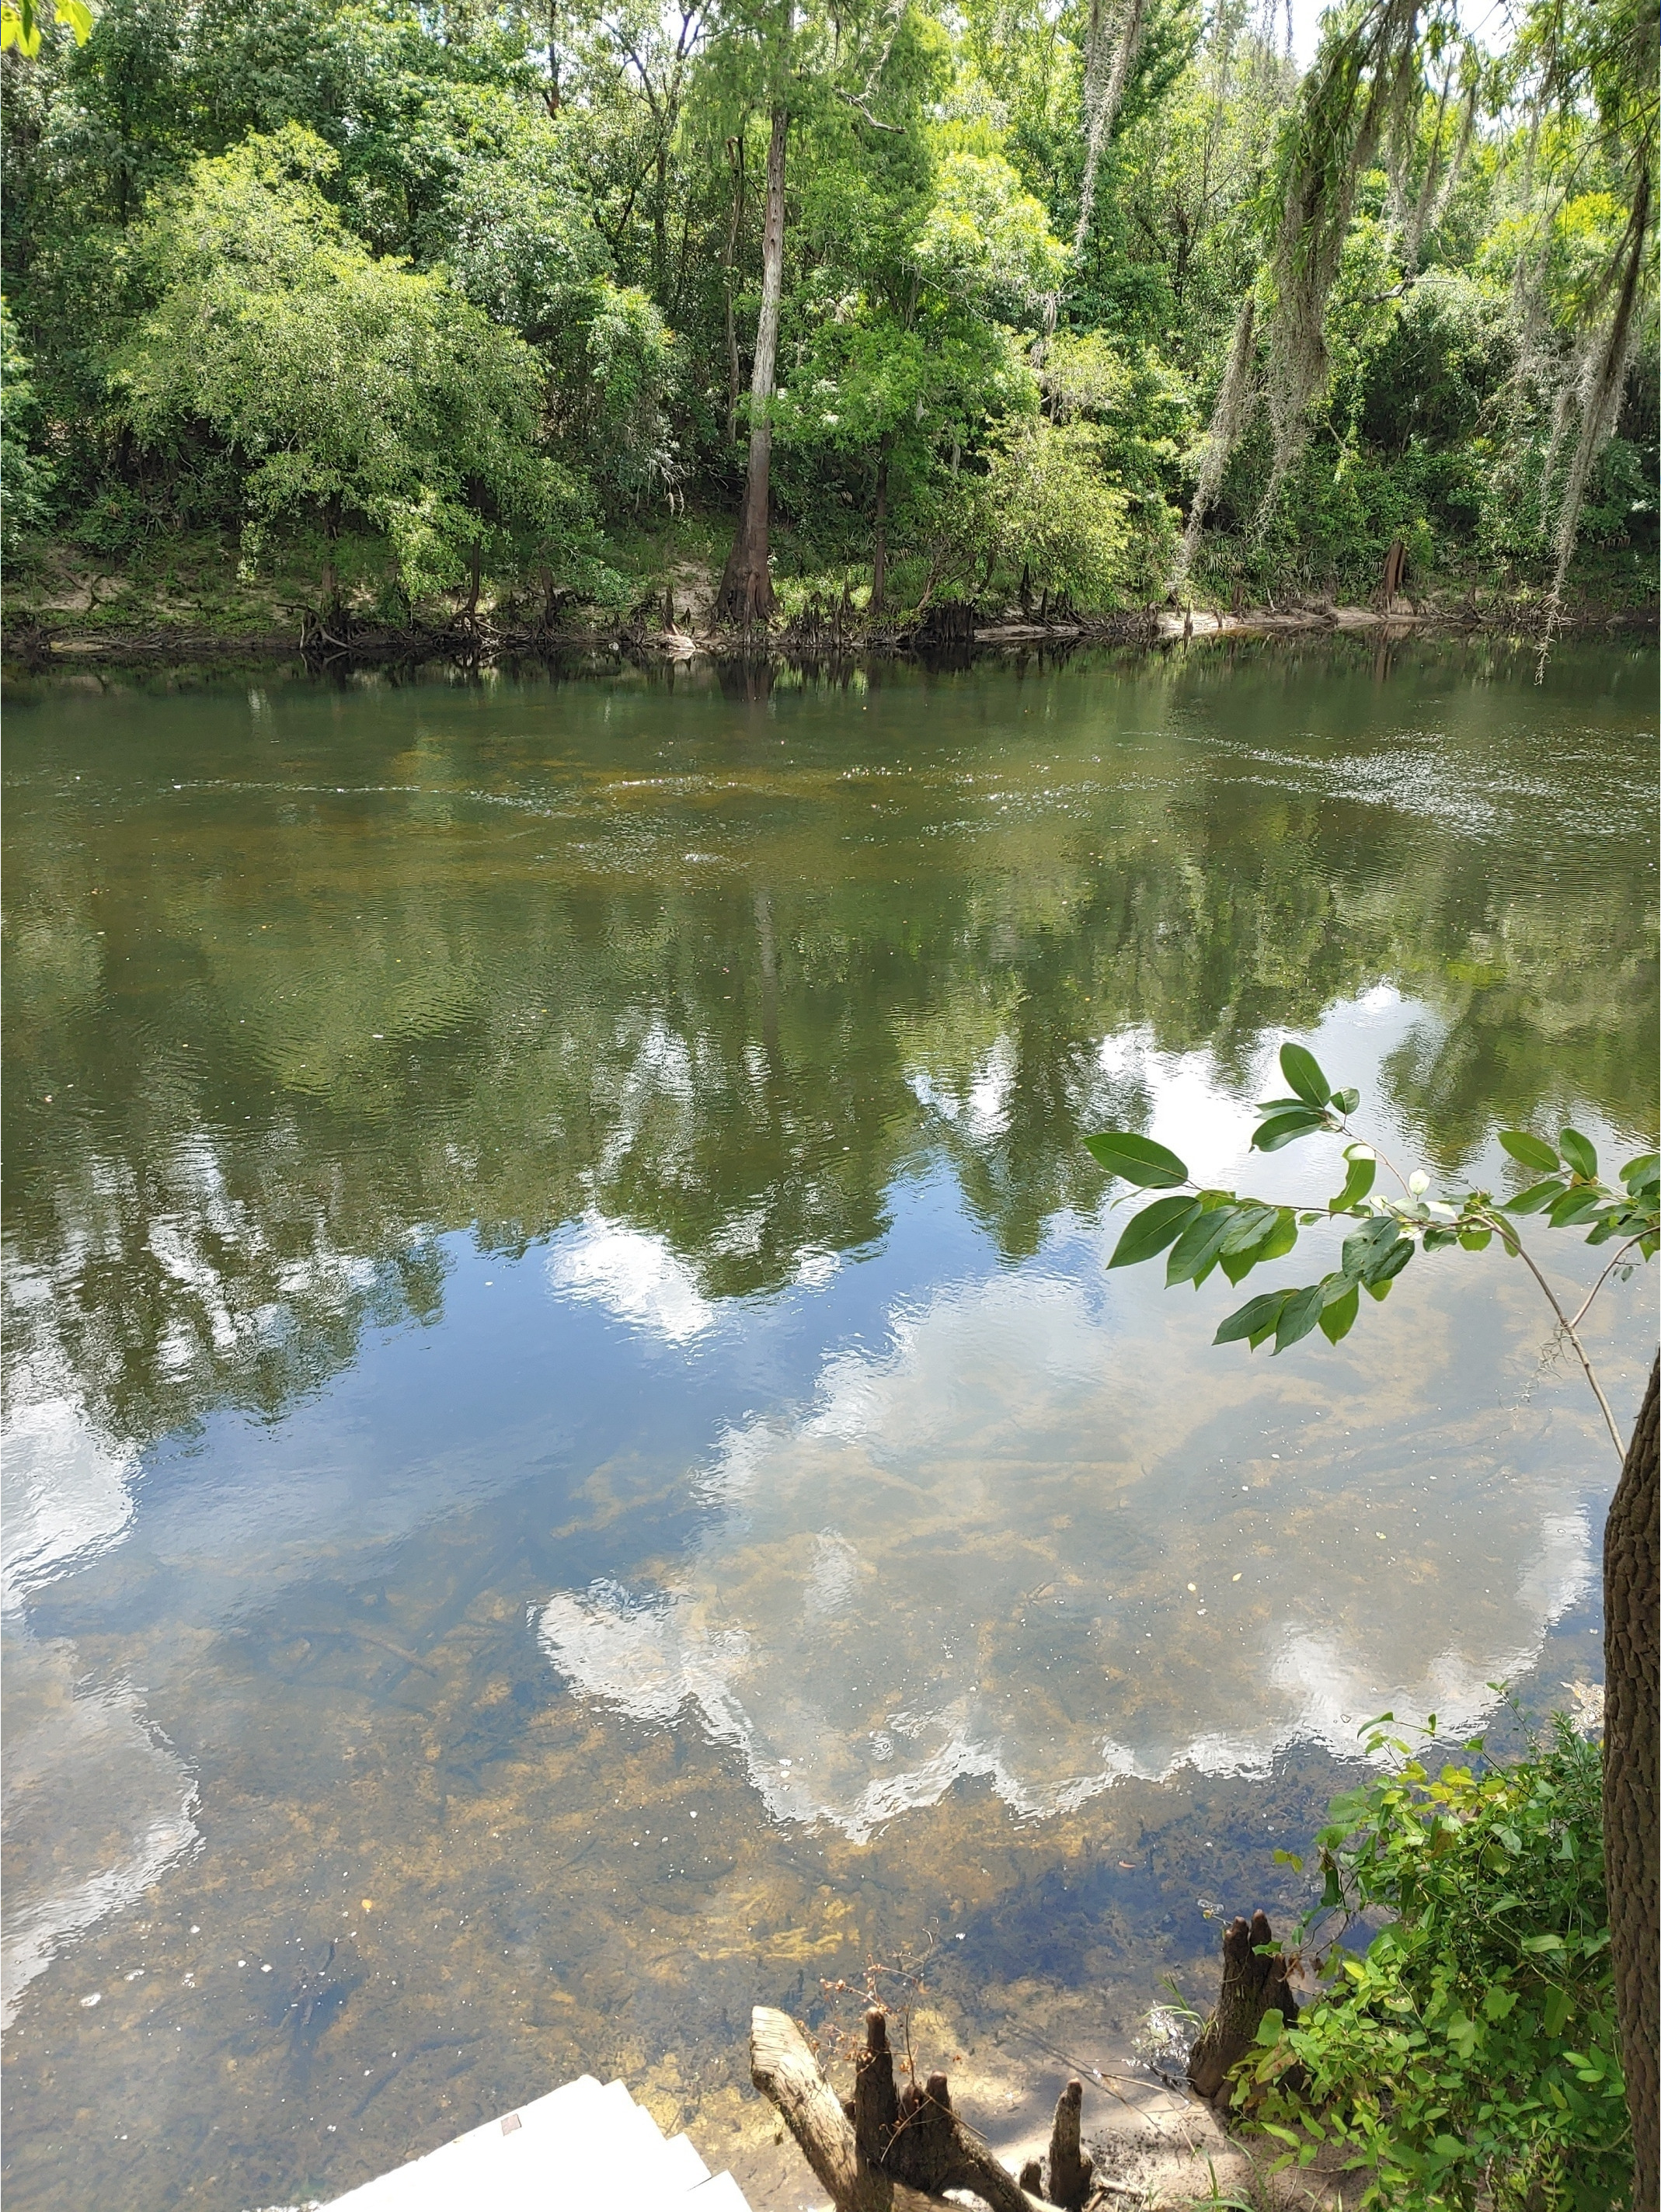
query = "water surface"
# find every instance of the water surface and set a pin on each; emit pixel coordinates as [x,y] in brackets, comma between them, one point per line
[572,1463]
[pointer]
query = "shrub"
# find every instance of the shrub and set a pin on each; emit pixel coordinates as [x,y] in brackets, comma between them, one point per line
[1471,2056]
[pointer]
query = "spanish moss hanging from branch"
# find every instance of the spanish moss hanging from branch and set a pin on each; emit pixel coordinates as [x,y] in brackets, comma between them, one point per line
[1363,91]
[1227,421]
[1115,33]
[1603,373]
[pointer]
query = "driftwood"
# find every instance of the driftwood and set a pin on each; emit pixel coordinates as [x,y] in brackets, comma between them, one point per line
[1252,1985]
[883,2152]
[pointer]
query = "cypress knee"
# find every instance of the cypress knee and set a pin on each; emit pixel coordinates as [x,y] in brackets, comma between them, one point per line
[1251,1985]
[1070,2171]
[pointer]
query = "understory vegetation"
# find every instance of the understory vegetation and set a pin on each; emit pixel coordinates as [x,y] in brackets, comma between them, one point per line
[1101,299]
[1471,2056]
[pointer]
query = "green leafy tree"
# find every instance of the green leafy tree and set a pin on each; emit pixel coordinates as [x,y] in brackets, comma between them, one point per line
[25,474]
[345,387]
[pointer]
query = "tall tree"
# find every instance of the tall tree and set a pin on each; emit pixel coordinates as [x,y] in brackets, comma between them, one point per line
[747,583]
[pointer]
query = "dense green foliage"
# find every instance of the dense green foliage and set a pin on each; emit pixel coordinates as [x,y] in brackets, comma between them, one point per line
[1470,2055]
[400,294]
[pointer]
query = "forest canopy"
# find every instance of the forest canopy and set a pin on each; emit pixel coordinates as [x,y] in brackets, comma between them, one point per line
[923,298]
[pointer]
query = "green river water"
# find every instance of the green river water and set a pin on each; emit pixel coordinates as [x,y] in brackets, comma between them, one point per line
[572,1462]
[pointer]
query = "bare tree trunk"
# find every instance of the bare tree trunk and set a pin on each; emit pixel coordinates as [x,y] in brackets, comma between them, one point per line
[1631,1666]
[880,549]
[746,584]
[735,156]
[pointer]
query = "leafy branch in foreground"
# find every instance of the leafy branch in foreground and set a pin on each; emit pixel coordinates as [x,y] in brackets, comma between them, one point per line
[1200,1230]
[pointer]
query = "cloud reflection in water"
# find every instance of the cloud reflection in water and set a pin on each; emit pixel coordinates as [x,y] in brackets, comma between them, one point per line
[972,1555]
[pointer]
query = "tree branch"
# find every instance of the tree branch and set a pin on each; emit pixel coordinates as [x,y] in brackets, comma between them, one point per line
[865,114]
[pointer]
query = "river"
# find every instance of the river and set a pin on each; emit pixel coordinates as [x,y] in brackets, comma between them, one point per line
[572,1461]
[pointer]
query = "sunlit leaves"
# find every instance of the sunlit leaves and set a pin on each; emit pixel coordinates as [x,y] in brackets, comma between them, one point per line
[20,24]
[1223,1229]
[1255,1321]
[1300,1313]
[1338,1316]
[1579,1152]
[1282,1128]
[1363,1172]
[1195,1251]
[1532,1151]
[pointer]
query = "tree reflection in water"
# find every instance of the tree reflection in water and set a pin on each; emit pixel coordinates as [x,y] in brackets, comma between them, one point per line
[330,1012]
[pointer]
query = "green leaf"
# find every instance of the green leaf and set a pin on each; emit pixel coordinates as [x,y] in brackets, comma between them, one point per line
[1149,1231]
[1644,1173]
[1346,1102]
[1258,1314]
[1281,1238]
[1578,1152]
[1475,1240]
[1288,1858]
[1198,1245]
[1251,1224]
[1299,1315]
[1271,2027]
[1363,1172]
[1339,1318]
[1392,1264]
[1282,1128]
[1543,1942]
[1136,1159]
[1533,1152]
[1536,1196]
[1303,1072]
[1576,1204]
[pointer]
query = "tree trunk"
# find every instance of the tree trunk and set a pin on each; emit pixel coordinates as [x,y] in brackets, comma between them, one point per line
[1631,1664]
[746,584]
[880,549]
[735,156]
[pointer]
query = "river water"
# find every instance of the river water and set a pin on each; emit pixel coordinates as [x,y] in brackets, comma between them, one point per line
[572,1462]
